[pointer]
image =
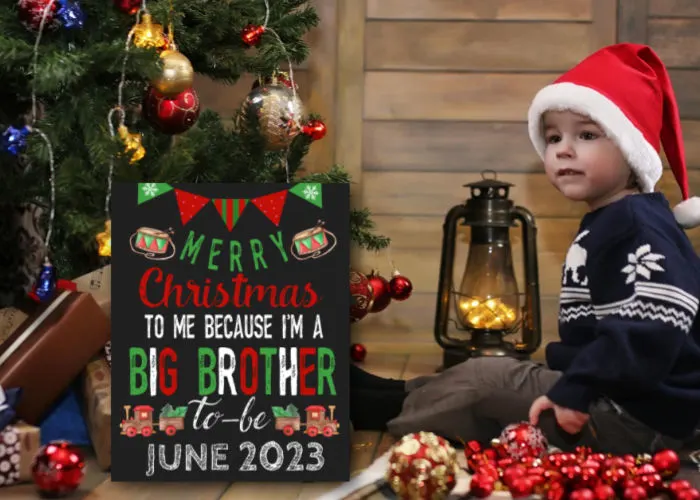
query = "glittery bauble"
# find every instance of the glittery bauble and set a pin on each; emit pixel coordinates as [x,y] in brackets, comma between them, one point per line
[422,466]
[30,13]
[360,296]
[358,352]
[523,440]
[279,111]
[380,292]
[400,287]
[130,7]
[58,469]
[171,115]
[176,74]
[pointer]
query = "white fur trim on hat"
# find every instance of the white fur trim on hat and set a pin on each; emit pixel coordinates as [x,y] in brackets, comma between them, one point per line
[641,156]
[687,213]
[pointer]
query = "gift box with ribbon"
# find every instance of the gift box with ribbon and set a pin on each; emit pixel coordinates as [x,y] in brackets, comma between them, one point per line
[45,353]
[98,283]
[97,394]
[19,442]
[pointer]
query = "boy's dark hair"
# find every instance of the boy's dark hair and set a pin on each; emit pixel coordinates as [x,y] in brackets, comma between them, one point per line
[633,183]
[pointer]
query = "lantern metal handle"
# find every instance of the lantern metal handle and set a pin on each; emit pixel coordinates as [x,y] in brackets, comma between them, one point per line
[531,313]
[442,309]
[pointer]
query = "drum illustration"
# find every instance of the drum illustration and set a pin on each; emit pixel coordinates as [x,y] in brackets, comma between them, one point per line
[313,243]
[153,244]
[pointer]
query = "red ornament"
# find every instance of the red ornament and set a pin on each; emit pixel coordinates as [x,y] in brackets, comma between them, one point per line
[652,483]
[604,492]
[582,494]
[361,296]
[481,486]
[555,492]
[358,352]
[422,465]
[636,492]
[171,115]
[380,292]
[30,13]
[251,34]
[678,485]
[400,286]
[512,473]
[666,463]
[58,468]
[315,129]
[689,494]
[130,7]
[521,487]
[523,440]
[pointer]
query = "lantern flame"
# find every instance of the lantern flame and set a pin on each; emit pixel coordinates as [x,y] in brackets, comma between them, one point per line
[486,313]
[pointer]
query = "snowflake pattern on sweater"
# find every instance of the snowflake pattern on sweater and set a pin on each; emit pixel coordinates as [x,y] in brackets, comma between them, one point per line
[628,316]
[649,295]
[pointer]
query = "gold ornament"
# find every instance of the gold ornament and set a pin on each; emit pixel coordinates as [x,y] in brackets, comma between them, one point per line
[132,144]
[422,466]
[148,35]
[177,74]
[104,240]
[279,111]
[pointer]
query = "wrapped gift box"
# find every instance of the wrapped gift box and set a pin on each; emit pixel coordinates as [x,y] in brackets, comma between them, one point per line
[50,348]
[98,284]
[19,444]
[97,385]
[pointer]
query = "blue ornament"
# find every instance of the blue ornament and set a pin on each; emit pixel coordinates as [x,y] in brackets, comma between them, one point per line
[14,139]
[46,284]
[70,14]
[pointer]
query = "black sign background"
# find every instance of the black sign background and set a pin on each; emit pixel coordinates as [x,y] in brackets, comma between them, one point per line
[327,275]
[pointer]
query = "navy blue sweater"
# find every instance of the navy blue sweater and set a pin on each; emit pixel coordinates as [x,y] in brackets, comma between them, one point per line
[628,318]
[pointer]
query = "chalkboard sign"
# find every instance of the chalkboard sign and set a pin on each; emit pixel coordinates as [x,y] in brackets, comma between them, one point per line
[230,332]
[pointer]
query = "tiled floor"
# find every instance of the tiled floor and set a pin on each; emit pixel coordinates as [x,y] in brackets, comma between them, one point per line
[366,446]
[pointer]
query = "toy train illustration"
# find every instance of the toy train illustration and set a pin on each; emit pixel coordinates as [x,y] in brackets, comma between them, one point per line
[316,422]
[143,424]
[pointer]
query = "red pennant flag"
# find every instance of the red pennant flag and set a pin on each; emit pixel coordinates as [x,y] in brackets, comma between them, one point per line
[230,210]
[271,205]
[189,204]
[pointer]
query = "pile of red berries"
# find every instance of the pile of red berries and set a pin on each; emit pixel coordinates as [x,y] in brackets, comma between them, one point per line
[582,475]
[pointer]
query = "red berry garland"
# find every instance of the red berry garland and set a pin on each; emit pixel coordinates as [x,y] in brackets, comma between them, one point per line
[523,470]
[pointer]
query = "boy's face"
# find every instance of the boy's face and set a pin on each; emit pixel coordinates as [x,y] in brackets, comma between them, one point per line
[581,162]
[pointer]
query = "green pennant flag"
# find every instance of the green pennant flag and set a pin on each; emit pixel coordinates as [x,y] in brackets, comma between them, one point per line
[309,191]
[150,190]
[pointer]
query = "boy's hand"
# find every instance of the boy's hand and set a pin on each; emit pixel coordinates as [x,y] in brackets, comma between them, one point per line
[571,421]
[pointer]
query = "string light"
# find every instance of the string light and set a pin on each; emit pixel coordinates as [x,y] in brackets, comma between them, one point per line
[291,76]
[32,128]
[103,242]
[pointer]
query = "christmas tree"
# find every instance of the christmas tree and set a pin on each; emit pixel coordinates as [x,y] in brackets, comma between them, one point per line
[84,102]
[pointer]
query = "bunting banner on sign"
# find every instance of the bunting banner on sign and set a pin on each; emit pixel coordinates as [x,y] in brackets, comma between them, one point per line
[231,209]
[150,190]
[271,205]
[189,204]
[309,191]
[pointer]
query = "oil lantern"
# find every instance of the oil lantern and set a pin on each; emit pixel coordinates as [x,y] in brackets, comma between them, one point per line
[488,304]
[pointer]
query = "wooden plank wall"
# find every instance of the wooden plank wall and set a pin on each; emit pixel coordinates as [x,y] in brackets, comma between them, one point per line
[447,84]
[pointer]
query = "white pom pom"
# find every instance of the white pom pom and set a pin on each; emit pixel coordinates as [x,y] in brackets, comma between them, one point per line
[687,212]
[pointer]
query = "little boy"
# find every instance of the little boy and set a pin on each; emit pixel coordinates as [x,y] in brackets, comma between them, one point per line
[625,375]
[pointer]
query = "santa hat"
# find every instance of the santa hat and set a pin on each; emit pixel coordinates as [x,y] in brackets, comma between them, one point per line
[625,88]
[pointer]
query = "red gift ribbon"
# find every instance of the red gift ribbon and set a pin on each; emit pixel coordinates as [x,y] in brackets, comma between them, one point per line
[60,285]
